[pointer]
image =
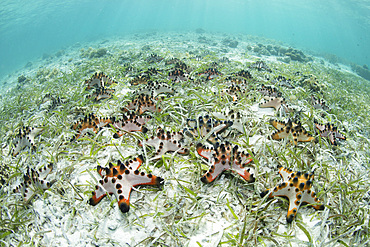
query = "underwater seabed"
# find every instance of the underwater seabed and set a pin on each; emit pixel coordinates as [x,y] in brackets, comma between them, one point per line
[287,108]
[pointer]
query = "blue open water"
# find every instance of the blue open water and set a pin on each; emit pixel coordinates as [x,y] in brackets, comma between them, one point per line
[28,29]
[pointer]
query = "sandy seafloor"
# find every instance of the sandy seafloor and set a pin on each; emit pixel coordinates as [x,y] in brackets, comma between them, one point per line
[184,212]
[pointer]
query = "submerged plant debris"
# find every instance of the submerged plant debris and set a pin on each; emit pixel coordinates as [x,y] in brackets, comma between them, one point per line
[195,113]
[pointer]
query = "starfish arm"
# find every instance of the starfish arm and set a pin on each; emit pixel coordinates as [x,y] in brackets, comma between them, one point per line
[34,180]
[103,122]
[123,198]
[294,204]
[238,125]
[30,190]
[34,132]
[162,88]
[25,138]
[119,187]
[172,147]
[213,139]
[154,142]
[303,136]
[28,193]
[277,124]
[129,180]
[284,189]
[131,106]
[222,126]
[120,168]
[297,188]
[105,81]
[191,132]
[191,122]
[135,163]
[142,120]
[212,133]
[149,107]
[214,172]
[44,184]
[135,178]
[128,126]
[119,180]
[206,153]
[146,90]
[273,102]
[182,78]
[246,172]
[93,83]
[44,171]
[280,134]
[27,188]
[241,160]
[285,173]
[331,137]
[340,136]
[177,136]
[177,147]
[203,130]
[309,196]
[164,146]
[320,127]
[325,133]
[97,195]
[102,95]
[22,143]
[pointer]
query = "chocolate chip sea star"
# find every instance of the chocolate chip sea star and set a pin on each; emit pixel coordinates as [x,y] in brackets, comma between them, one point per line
[297,187]
[226,157]
[119,180]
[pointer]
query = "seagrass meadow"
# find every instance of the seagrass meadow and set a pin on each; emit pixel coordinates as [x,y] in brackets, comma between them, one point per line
[73,115]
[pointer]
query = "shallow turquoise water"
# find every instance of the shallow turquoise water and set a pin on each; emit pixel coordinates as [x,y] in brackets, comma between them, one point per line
[29,29]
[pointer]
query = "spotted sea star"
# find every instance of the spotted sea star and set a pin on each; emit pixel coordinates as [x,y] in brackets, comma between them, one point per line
[34,180]
[207,127]
[130,123]
[329,131]
[102,93]
[178,75]
[211,73]
[297,187]
[120,179]
[294,129]
[99,80]
[226,157]
[233,90]
[165,142]
[25,138]
[319,104]
[269,91]
[140,79]
[90,122]
[275,102]
[155,88]
[141,104]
